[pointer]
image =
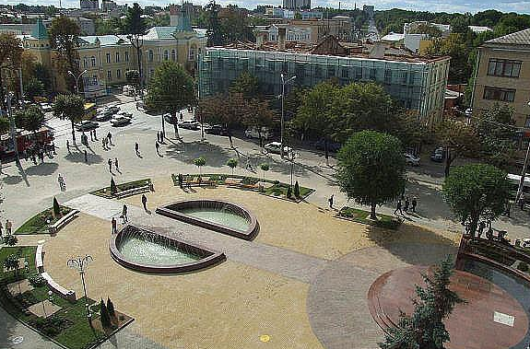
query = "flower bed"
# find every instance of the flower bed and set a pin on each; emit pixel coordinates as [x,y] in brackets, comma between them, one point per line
[105,192]
[39,223]
[360,216]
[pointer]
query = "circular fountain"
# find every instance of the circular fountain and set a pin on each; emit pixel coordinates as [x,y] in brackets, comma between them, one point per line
[222,216]
[153,252]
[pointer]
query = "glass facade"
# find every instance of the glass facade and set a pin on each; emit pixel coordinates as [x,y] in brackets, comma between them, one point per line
[419,85]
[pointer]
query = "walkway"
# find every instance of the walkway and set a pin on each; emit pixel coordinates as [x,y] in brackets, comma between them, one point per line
[274,259]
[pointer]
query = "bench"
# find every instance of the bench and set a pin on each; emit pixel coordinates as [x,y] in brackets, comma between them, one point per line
[54,228]
[69,295]
[133,191]
[39,255]
[194,182]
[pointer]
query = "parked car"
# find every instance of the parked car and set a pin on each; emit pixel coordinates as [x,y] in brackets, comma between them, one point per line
[125,113]
[332,146]
[252,132]
[274,147]
[438,154]
[46,107]
[120,121]
[111,110]
[86,125]
[411,159]
[103,117]
[216,130]
[170,119]
[190,125]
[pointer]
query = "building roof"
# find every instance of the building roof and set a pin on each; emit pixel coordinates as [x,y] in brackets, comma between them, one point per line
[518,38]
[160,33]
[393,37]
[104,40]
[39,31]
[184,24]
[479,29]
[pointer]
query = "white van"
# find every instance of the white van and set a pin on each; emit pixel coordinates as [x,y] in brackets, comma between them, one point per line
[252,132]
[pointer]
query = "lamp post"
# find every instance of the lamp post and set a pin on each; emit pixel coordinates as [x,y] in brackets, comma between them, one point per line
[137,41]
[523,171]
[77,77]
[80,263]
[293,155]
[282,121]
[12,126]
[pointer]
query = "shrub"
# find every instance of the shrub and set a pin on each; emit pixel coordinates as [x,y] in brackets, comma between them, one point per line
[113,188]
[276,182]
[49,326]
[105,318]
[10,240]
[296,190]
[110,308]
[37,281]
[56,207]
[289,192]
[522,266]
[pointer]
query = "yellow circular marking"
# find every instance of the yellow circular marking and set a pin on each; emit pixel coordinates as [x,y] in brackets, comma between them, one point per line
[264,338]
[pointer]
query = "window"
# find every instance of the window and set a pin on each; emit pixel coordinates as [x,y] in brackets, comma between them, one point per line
[345,73]
[271,66]
[331,71]
[118,74]
[388,75]
[109,75]
[318,72]
[150,55]
[173,55]
[166,55]
[499,94]
[93,61]
[372,74]
[504,67]
[126,56]
[85,62]
[108,57]
[117,57]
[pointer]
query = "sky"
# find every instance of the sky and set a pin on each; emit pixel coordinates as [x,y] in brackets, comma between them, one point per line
[520,6]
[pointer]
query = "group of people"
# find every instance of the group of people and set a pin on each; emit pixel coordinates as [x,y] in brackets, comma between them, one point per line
[406,203]
[38,151]
[180,179]
[9,227]
[106,142]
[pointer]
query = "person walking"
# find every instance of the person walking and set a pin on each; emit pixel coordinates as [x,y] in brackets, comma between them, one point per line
[521,202]
[330,200]
[109,136]
[188,182]
[110,165]
[181,180]
[398,207]
[407,203]
[1,230]
[9,226]
[124,214]
[114,225]
[137,148]
[414,203]
[86,156]
[144,202]
[62,185]
[116,164]
[68,145]
[480,229]
[1,167]
[95,135]
[91,136]
[157,146]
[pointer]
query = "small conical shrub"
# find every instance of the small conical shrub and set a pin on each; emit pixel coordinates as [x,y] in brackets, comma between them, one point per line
[113,188]
[56,208]
[296,190]
[110,308]
[105,318]
[289,192]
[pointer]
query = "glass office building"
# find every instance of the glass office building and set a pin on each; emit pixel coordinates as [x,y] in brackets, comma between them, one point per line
[418,82]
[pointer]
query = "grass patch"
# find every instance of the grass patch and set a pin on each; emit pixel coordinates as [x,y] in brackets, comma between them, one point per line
[69,326]
[360,216]
[38,224]
[105,192]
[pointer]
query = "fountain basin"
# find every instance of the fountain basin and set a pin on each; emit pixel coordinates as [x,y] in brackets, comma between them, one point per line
[218,215]
[153,252]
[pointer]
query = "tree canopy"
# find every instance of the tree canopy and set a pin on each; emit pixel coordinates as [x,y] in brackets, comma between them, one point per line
[71,107]
[247,84]
[475,192]
[10,57]
[31,119]
[134,23]
[64,34]
[371,168]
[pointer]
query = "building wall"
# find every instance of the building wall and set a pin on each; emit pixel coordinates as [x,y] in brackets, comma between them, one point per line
[420,86]
[521,84]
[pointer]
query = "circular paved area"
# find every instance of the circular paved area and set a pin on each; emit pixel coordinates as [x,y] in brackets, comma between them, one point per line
[337,303]
[491,318]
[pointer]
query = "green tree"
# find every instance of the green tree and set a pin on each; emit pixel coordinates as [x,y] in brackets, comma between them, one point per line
[246,84]
[30,119]
[232,163]
[10,56]
[10,240]
[296,190]
[71,107]
[110,308]
[259,116]
[475,192]
[113,187]
[12,263]
[425,328]
[64,34]
[214,32]
[133,78]
[43,75]
[5,125]
[134,23]
[170,89]
[458,49]
[199,162]
[56,208]
[235,25]
[371,169]
[34,88]
[104,315]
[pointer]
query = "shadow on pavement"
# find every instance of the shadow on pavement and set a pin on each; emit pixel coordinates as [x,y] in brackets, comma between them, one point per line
[215,156]
[44,169]
[80,158]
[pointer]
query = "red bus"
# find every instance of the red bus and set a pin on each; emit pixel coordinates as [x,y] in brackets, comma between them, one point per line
[25,140]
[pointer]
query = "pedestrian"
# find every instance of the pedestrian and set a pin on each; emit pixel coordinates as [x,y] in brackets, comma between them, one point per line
[508,209]
[481,227]
[414,203]
[124,214]
[60,179]
[68,145]
[407,203]
[110,165]
[157,146]
[9,226]
[398,207]
[199,181]
[113,223]
[330,200]
[188,182]
[181,117]
[521,202]
[144,201]
[86,156]
[91,136]
[180,180]
[1,230]
[1,167]
[95,135]
[136,148]
[116,164]
[109,136]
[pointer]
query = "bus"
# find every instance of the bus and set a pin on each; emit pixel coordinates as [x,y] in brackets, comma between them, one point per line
[90,111]
[25,140]
[515,180]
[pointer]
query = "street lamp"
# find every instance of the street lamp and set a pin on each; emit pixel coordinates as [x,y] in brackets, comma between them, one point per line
[523,172]
[77,77]
[80,263]
[50,293]
[282,125]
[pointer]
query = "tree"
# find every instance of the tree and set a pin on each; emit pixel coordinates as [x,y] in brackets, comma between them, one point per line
[28,62]
[170,89]
[296,190]
[214,31]
[134,23]
[455,46]
[199,162]
[43,75]
[104,315]
[371,169]
[10,240]
[133,78]
[232,163]
[235,25]
[34,88]
[113,187]
[425,328]
[56,208]
[10,55]
[64,34]
[71,107]
[30,119]
[12,263]
[246,84]
[259,116]
[5,125]
[475,192]
[458,139]
[110,308]
[264,168]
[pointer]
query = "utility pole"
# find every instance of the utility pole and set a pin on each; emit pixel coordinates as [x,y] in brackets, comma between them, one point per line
[282,121]
[13,129]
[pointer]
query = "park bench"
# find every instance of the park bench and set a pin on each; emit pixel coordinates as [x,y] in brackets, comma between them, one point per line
[194,182]
[39,256]
[54,228]
[69,295]
[133,191]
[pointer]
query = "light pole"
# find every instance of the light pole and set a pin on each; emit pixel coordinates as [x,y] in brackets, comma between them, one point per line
[523,171]
[12,125]
[282,121]
[80,263]
[77,77]
[293,157]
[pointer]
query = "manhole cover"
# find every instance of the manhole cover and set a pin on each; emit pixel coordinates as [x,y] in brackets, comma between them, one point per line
[264,338]
[17,340]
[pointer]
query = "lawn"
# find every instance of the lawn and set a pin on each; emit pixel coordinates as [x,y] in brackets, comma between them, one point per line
[38,224]
[69,326]
[105,192]
[360,216]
